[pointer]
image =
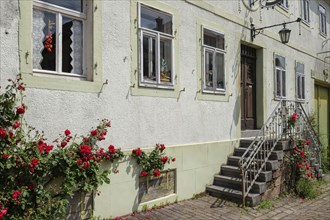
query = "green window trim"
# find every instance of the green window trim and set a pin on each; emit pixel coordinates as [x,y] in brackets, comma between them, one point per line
[35,80]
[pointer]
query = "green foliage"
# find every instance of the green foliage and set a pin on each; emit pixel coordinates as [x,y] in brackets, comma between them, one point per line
[265,204]
[37,178]
[305,188]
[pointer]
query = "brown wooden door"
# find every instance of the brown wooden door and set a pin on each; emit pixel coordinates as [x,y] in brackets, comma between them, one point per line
[248,87]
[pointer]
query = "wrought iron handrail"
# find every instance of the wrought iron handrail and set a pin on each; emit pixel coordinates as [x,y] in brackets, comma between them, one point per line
[254,159]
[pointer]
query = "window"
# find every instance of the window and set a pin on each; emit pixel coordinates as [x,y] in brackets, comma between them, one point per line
[284,3]
[58,37]
[305,10]
[280,90]
[300,81]
[323,20]
[213,49]
[156,48]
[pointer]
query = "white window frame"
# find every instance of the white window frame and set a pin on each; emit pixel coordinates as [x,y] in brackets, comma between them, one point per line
[60,12]
[213,50]
[305,10]
[158,36]
[282,72]
[322,20]
[300,81]
[284,4]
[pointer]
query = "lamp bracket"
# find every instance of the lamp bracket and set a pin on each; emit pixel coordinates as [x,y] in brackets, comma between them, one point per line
[256,31]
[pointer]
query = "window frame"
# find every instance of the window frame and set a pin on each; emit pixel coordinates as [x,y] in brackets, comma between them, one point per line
[300,80]
[61,12]
[215,51]
[284,4]
[305,11]
[322,17]
[142,31]
[282,73]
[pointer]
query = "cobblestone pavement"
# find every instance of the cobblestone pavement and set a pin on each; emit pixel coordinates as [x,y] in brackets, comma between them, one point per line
[207,207]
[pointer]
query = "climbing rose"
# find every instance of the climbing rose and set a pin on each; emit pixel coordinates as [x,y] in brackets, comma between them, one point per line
[164,159]
[162,147]
[2,133]
[33,164]
[302,153]
[144,173]
[299,166]
[294,117]
[21,88]
[108,124]
[15,195]
[156,173]
[67,132]
[85,165]
[63,144]
[308,142]
[173,159]
[5,156]
[85,149]
[111,149]
[94,132]
[309,174]
[16,125]
[20,110]
[3,212]
[137,152]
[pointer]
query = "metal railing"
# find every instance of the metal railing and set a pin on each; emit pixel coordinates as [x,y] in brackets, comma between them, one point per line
[276,128]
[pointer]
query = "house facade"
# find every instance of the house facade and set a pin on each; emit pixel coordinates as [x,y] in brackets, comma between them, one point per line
[180,72]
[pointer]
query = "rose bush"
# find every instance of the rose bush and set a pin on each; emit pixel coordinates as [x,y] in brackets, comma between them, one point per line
[38,177]
[152,163]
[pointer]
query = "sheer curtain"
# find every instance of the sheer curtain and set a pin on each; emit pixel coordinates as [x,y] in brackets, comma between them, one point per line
[38,37]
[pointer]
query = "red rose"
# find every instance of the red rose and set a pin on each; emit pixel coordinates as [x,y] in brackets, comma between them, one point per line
[85,149]
[309,174]
[302,153]
[79,161]
[5,156]
[16,125]
[112,149]
[15,195]
[308,142]
[67,132]
[3,212]
[48,148]
[86,139]
[30,187]
[108,124]
[20,110]
[137,152]
[296,148]
[294,117]
[101,137]
[164,159]
[21,88]
[162,147]
[299,165]
[63,144]
[94,132]
[85,165]
[173,159]
[2,133]
[144,173]
[156,173]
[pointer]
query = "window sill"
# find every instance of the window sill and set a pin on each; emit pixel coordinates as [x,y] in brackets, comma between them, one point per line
[306,23]
[283,10]
[213,96]
[156,86]
[61,83]
[220,92]
[323,35]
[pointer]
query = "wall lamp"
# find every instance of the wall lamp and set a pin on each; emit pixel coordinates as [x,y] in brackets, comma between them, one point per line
[284,32]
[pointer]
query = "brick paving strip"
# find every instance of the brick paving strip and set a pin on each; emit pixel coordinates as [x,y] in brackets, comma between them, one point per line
[207,208]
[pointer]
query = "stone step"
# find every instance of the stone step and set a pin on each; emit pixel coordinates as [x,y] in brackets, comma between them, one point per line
[234,171]
[281,145]
[249,133]
[252,199]
[275,155]
[236,183]
[270,164]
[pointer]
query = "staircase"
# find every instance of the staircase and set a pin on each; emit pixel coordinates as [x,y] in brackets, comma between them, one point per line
[248,170]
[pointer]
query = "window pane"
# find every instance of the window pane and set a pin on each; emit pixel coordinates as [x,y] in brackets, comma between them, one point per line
[278,82]
[283,84]
[70,4]
[280,62]
[300,68]
[156,20]
[214,39]
[220,80]
[208,70]
[148,58]
[165,60]
[299,87]
[44,40]
[303,87]
[72,44]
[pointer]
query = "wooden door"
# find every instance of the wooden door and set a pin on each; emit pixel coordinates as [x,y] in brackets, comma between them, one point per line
[322,111]
[248,87]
